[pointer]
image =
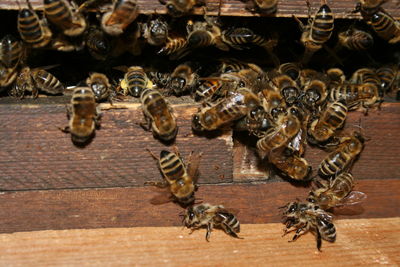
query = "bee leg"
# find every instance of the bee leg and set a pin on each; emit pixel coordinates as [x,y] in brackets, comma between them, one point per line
[319,240]
[299,232]
[146,125]
[66,129]
[69,111]
[163,2]
[152,154]
[209,229]
[230,232]
[176,151]
[162,184]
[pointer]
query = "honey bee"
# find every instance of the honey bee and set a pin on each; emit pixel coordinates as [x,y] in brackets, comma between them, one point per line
[175,46]
[208,88]
[231,65]
[318,30]
[387,75]
[287,125]
[365,75]
[209,216]
[33,30]
[33,80]
[343,156]
[332,118]
[100,86]
[273,102]
[354,39]
[233,107]
[183,79]
[315,93]
[290,69]
[178,8]
[116,21]
[155,32]
[336,77]
[61,14]
[97,43]
[158,114]
[11,56]
[179,178]
[135,81]
[368,7]
[291,165]
[286,86]
[354,95]
[307,216]
[338,192]
[83,116]
[386,27]
[266,7]
[160,79]
[256,122]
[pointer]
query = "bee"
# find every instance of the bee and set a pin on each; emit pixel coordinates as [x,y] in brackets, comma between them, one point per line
[272,101]
[291,165]
[33,80]
[83,116]
[61,14]
[332,118]
[116,21]
[155,32]
[209,216]
[208,88]
[338,192]
[387,75]
[336,77]
[158,114]
[315,92]
[386,27]
[286,86]
[318,30]
[135,81]
[97,43]
[178,8]
[343,156]
[354,39]
[365,75]
[256,122]
[33,30]
[100,86]
[160,79]
[266,7]
[11,51]
[233,107]
[183,79]
[368,7]
[307,216]
[205,33]
[179,178]
[354,95]
[290,69]
[7,76]
[231,65]
[241,38]
[287,125]
[174,46]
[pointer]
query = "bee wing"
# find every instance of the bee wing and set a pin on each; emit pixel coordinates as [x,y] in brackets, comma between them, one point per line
[353,198]
[193,167]
[229,210]
[162,198]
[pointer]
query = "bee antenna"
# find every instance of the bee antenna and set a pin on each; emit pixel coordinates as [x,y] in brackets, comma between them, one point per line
[29,4]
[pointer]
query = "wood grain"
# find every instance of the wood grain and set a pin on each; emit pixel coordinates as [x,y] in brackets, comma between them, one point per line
[359,242]
[130,207]
[286,8]
[35,154]
[379,158]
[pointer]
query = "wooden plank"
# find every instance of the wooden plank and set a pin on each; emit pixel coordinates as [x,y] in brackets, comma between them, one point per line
[286,8]
[378,160]
[130,207]
[359,242]
[35,154]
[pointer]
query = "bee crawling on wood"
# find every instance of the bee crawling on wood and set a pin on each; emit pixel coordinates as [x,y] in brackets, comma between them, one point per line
[306,216]
[181,179]
[209,215]
[84,116]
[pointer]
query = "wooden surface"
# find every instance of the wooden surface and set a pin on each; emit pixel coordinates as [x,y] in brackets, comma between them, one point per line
[35,154]
[286,8]
[130,207]
[359,242]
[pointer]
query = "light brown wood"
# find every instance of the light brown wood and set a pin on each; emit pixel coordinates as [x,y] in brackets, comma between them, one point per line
[359,242]
[286,8]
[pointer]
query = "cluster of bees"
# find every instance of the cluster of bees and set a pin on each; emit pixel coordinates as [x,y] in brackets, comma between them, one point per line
[284,108]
